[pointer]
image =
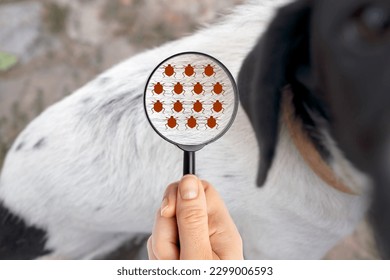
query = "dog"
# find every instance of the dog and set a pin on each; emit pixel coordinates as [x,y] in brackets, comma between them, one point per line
[88,174]
[336,70]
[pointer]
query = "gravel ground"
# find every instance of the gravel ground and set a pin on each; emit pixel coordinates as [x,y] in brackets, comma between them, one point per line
[52,47]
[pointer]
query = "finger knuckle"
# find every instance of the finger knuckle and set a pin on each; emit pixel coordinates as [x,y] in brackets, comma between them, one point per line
[193,216]
[161,252]
[170,189]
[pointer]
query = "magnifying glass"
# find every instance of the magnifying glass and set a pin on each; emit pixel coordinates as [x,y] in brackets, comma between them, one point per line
[191,100]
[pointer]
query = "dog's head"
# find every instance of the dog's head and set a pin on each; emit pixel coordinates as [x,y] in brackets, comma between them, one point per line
[335,56]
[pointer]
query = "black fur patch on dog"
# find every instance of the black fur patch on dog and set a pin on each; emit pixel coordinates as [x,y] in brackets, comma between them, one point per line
[19,241]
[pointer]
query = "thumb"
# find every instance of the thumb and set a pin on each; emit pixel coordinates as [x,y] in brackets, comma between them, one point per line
[192,220]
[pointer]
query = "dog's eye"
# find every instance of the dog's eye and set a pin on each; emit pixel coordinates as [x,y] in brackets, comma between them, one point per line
[373,22]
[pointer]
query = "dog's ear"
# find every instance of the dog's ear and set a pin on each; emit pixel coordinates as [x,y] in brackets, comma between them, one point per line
[276,60]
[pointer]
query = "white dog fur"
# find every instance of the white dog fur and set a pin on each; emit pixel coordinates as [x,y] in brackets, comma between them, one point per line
[91,171]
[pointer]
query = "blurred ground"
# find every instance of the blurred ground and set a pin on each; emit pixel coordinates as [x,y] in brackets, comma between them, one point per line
[59,45]
[49,48]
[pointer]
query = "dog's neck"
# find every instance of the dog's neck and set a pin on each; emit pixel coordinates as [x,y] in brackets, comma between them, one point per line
[306,147]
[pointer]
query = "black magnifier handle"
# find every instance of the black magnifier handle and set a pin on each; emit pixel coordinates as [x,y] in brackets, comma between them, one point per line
[189,163]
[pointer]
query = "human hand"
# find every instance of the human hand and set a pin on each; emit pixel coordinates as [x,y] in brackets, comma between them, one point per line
[194,223]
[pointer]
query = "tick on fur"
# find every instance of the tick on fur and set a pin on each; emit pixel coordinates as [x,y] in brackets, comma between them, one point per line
[218,88]
[198,88]
[158,106]
[191,122]
[212,122]
[178,88]
[197,106]
[169,70]
[209,70]
[171,122]
[178,106]
[217,106]
[158,88]
[189,70]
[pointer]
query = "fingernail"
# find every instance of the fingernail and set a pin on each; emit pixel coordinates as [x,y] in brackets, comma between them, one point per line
[189,187]
[164,206]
